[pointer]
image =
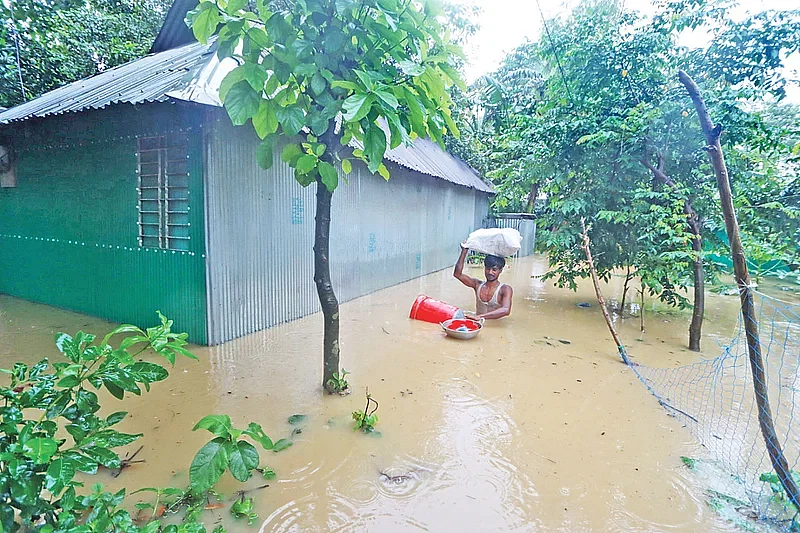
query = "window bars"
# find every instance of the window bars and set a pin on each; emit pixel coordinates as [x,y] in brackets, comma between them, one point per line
[163,192]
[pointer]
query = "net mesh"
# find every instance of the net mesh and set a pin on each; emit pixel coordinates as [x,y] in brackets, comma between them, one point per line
[716,401]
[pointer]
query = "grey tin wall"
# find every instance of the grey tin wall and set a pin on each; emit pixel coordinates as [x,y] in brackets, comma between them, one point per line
[260,228]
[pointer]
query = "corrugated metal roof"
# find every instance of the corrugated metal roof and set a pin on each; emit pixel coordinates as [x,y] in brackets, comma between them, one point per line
[427,157]
[148,79]
[193,73]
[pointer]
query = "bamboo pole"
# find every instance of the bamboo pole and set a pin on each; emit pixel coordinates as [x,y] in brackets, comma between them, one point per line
[600,300]
[712,134]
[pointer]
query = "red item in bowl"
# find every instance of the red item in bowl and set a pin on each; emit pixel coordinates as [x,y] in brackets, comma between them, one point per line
[469,324]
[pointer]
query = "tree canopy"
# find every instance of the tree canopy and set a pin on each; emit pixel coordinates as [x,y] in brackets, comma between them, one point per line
[45,44]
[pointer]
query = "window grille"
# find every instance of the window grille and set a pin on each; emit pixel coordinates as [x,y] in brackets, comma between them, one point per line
[163,190]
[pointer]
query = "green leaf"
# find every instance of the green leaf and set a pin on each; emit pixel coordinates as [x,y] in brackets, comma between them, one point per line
[234,6]
[104,456]
[416,114]
[384,172]
[124,328]
[145,372]
[306,163]
[291,119]
[7,518]
[204,21]
[243,459]
[255,75]
[331,180]
[318,83]
[356,106]
[296,419]
[24,492]
[388,98]
[318,122]
[208,465]
[69,382]
[116,418]
[87,401]
[116,391]
[109,438]
[127,342]
[265,120]
[347,166]
[242,102]
[264,153]
[341,84]
[219,425]
[374,146]
[290,154]
[454,76]
[81,462]
[39,449]
[282,445]
[59,473]
[231,78]
[411,68]
[65,345]
[256,432]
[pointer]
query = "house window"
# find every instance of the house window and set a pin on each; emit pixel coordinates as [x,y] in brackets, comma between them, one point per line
[163,188]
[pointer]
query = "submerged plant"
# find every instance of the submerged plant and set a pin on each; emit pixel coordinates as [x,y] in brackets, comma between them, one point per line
[243,508]
[227,451]
[50,432]
[778,493]
[338,383]
[366,419]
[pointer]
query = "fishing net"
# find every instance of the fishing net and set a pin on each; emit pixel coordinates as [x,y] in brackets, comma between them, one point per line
[715,399]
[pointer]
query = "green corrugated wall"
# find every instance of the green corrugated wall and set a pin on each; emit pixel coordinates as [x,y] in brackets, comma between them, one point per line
[68,231]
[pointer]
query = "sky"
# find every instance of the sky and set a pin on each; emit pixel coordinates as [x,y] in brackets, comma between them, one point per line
[506,24]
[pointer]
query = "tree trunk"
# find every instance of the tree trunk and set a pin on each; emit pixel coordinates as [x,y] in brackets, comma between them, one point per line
[532,197]
[696,326]
[765,421]
[693,220]
[322,278]
[628,279]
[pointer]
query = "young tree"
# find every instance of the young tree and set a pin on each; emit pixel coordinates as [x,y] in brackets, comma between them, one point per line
[373,72]
[605,134]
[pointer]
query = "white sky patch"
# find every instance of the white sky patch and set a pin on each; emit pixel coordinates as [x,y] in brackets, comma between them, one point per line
[505,24]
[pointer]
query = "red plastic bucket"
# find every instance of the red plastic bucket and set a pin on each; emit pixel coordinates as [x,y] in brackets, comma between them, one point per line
[429,310]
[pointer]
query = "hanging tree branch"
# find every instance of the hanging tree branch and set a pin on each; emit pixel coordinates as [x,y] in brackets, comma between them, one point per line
[712,134]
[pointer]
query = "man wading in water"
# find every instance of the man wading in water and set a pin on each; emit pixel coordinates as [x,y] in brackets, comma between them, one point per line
[492,298]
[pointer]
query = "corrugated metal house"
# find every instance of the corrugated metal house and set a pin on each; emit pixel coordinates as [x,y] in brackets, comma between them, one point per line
[130,191]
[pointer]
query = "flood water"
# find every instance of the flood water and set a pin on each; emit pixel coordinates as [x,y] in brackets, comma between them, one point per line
[535,425]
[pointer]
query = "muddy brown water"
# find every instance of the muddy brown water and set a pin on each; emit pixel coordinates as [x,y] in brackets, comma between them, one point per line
[512,431]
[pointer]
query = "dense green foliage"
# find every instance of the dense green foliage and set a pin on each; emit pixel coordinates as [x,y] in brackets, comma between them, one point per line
[55,42]
[592,118]
[52,438]
[385,66]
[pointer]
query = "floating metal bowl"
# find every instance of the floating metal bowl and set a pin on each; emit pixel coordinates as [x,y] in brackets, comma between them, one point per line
[462,335]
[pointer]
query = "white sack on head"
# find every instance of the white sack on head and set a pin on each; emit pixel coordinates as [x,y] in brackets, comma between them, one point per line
[501,242]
